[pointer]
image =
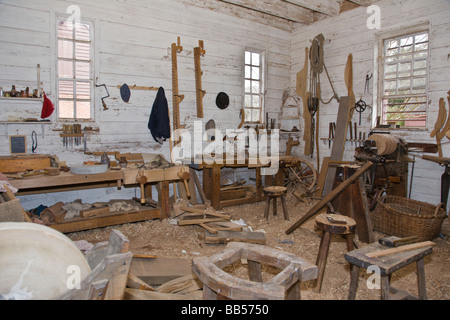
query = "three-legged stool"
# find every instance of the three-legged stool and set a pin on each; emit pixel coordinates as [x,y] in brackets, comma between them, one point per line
[218,284]
[272,193]
[332,224]
[385,266]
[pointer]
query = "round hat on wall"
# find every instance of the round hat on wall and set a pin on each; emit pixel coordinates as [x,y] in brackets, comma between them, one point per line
[222,100]
[125,92]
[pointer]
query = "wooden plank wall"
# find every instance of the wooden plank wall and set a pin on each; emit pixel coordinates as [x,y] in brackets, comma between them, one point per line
[348,33]
[133,40]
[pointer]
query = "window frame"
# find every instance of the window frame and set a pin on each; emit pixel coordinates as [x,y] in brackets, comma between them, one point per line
[380,63]
[262,82]
[92,73]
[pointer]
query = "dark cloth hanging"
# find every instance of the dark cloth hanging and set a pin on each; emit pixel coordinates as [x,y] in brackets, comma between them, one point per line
[159,122]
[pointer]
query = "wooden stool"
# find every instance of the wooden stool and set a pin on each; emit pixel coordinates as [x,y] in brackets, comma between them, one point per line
[285,285]
[387,265]
[332,224]
[273,193]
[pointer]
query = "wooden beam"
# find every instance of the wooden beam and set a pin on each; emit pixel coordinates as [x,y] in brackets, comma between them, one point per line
[278,9]
[328,7]
[363,3]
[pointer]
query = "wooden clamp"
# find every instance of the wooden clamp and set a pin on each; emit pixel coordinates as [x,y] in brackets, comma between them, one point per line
[177,98]
[200,93]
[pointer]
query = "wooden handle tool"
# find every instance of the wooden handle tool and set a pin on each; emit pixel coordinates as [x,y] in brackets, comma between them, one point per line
[142,179]
[183,175]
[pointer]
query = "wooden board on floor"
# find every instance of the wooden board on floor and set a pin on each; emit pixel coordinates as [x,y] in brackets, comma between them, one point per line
[114,218]
[223,237]
[158,271]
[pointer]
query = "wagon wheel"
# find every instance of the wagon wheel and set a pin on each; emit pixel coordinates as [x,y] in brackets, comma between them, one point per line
[299,175]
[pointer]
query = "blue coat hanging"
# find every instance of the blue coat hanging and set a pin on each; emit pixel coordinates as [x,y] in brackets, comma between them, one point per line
[159,122]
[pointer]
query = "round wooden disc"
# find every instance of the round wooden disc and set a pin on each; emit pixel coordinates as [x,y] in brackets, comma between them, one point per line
[338,226]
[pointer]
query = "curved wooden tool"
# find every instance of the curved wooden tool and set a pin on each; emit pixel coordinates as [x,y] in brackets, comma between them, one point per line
[440,134]
[301,89]
[142,179]
[442,115]
[242,118]
[183,175]
[349,83]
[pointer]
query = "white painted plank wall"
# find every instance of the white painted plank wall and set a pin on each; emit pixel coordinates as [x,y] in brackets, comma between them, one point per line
[348,33]
[133,44]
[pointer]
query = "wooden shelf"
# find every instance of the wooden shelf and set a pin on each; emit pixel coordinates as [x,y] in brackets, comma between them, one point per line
[21,99]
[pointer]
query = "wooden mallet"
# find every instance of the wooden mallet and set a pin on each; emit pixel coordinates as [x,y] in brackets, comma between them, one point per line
[183,175]
[142,179]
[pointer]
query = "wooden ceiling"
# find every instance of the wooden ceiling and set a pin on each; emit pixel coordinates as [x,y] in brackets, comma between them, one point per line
[298,11]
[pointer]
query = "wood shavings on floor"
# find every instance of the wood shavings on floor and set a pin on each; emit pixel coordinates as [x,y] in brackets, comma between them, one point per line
[166,239]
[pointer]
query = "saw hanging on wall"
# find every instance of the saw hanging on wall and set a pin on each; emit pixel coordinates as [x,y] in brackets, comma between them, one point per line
[200,93]
[177,98]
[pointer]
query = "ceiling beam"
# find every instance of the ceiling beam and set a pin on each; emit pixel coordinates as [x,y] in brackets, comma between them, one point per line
[328,7]
[278,9]
[364,3]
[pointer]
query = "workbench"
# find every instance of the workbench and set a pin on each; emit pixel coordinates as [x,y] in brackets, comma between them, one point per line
[212,181]
[67,181]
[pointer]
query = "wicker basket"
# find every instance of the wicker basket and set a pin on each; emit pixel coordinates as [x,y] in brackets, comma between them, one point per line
[403,217]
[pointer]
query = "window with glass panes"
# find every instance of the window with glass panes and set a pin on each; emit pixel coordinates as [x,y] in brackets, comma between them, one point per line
[405,81]
[74,70]
[254,86]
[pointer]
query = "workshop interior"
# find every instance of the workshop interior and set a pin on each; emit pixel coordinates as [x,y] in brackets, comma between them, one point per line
[191,150]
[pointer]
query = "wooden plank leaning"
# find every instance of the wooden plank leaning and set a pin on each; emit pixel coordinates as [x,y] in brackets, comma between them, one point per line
[330,196]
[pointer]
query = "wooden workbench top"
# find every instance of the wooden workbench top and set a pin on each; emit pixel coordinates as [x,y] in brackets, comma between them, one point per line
[123,176]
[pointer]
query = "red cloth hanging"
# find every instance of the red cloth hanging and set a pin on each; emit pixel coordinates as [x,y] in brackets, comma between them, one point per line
[47,108]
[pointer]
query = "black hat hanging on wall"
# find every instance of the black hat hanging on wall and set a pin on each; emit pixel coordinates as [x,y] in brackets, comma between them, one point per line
[125,92]
[222,100]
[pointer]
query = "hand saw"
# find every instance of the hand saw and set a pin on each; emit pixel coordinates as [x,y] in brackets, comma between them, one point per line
[177,98]
[200,93]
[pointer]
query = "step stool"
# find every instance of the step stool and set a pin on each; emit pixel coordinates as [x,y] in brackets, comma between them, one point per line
[332,223]
[272,193]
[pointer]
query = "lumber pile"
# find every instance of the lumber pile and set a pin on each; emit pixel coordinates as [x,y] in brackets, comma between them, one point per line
[219,229]
[187,287]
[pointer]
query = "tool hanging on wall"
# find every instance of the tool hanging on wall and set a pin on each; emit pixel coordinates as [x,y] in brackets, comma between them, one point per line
[441,127]
[107,95]
[177,98]
[348,75]
[317,66]
[34,141]
[200,93]
[360,107]
[367,84]
[302,91]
